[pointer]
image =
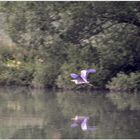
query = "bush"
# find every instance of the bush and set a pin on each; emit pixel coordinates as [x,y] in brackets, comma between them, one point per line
[21,75]
[122,81]
[64,80]
[13,69]
[39,76]
[45,75]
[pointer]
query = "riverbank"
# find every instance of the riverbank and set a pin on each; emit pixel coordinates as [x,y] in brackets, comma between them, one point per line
[94,89]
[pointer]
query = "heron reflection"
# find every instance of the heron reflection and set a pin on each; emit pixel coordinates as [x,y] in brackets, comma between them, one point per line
[83,122]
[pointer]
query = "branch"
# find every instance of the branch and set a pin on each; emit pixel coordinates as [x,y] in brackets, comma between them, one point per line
[129,19]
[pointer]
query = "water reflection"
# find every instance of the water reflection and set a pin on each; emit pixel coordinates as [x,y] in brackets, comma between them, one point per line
[83,122]
[26,113]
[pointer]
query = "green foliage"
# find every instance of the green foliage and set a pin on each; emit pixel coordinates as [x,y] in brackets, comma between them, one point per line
[14,71]
[44,76]
[125,82]
[21,75]
[63,80]
[71,36]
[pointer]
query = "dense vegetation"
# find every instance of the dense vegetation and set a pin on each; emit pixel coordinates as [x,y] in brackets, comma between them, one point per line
[53,39]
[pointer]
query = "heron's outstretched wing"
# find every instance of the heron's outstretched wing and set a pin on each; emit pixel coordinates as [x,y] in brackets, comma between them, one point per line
[74,125]
[84,73]
[84,124]
[91,128]
[91,71]
[74,76]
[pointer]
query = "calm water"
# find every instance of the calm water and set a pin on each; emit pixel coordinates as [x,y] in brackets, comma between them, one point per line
[34,114]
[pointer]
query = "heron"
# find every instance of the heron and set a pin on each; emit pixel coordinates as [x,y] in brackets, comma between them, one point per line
[82,78]
[83,122]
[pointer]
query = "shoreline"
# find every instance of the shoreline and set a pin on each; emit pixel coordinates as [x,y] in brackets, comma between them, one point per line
[66,89]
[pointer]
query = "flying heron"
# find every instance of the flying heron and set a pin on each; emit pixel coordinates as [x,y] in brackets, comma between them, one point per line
[83,122]
[82,78]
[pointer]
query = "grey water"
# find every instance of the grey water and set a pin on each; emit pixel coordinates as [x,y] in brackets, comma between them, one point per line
[43,114]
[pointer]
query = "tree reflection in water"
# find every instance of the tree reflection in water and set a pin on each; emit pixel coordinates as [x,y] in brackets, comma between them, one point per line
[38,114]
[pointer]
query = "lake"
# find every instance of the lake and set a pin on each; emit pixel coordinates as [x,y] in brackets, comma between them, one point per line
[44,114]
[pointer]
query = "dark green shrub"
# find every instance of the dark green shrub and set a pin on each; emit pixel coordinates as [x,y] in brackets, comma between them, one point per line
[64,80]
[21,75]
[122,81]
[45,75]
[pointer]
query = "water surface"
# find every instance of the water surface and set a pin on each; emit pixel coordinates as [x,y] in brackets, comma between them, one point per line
[26,113]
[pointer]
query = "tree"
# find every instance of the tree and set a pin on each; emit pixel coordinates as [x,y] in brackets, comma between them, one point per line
[103,35]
